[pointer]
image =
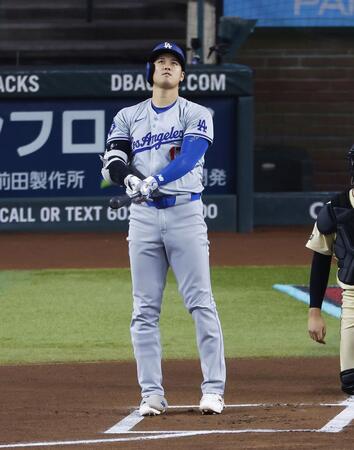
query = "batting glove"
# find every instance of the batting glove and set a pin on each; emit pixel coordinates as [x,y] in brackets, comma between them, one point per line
[148,186]
[132,184]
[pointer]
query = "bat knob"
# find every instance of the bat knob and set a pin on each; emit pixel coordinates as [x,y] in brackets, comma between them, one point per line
[114,203]
[119,201]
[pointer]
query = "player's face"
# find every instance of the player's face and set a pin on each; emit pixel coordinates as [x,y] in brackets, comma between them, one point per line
[168,71]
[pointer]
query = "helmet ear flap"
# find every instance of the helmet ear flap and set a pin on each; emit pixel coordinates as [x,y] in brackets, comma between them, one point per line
[150,67]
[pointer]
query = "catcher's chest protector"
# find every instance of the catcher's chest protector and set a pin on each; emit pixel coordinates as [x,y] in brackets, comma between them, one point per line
[338,217]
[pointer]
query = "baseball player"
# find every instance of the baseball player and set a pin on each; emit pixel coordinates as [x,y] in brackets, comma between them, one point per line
[333,235]
[165,139]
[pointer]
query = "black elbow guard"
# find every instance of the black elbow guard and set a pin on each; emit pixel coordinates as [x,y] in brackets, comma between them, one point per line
[118,170]
[115,161]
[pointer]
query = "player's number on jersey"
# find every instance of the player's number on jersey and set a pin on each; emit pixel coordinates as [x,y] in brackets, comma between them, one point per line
[202,126]
[174,151]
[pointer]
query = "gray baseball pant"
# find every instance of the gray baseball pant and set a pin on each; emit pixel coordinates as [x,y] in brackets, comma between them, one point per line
[175,237]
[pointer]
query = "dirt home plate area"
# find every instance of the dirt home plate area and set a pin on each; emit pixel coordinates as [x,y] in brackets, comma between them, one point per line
[285,403]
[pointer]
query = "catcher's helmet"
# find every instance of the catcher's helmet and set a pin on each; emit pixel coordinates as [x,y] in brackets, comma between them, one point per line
[350,157]
[163,47]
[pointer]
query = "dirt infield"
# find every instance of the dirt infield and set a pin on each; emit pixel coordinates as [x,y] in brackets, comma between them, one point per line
[264,246]
[78,403]
[271,403]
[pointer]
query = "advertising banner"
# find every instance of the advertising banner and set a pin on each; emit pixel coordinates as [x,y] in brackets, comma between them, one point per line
[51,148]
[288,208]
[94,214]
[54,124]
[293,13]
[103,82]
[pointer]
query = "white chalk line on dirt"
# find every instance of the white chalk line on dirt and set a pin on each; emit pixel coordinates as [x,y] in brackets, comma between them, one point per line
[341,420]
[159,434]
[162,435]
[126,424]
[129,422]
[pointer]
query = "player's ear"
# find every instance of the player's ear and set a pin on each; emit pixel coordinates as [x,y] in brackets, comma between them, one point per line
[182,77]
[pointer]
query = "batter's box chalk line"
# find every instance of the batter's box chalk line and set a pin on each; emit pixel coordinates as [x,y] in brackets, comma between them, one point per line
[124,427]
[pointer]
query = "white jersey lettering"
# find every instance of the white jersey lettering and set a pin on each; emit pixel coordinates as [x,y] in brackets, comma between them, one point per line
[153,135]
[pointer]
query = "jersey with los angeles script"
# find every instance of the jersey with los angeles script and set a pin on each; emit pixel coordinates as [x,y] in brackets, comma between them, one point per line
[156,138]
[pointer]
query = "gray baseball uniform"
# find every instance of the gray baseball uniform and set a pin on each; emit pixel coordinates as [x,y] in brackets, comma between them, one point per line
[174,237]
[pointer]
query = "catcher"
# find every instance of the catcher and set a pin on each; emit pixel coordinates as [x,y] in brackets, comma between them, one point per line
[333,235]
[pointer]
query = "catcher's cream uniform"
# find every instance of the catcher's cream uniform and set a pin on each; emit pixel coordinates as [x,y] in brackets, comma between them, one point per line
[324,244]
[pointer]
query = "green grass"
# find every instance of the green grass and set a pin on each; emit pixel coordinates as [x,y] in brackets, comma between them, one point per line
[84,315]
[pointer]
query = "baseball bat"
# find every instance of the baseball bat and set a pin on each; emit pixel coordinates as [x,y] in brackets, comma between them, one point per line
[119,201]
[124,200]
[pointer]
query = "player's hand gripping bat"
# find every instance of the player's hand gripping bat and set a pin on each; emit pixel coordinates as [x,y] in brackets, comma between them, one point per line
[124,200]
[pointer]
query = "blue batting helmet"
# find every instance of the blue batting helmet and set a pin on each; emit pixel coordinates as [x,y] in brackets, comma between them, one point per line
[164,47]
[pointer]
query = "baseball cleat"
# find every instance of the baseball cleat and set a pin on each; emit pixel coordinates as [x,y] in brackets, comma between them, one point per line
[211,404]
[153,405]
